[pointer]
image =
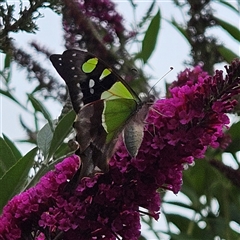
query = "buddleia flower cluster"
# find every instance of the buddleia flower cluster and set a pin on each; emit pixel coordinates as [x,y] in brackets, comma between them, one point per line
[179,129]
[94,22]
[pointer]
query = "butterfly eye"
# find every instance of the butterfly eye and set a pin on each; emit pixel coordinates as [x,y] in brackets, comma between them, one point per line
[151,98]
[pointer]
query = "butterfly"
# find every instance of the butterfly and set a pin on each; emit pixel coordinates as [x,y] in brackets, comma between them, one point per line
[105,104]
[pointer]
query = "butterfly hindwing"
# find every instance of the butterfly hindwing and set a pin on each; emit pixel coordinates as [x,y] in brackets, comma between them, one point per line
[113,115]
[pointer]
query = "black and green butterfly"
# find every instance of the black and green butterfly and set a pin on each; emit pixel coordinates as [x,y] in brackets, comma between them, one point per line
[105,105]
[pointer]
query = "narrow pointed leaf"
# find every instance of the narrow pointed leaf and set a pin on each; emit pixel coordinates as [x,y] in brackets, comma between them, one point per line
[15,178]
[62,150]
[234,146]
[44,138]
[14,149]
[38,106]
[150,38]
[147,14]
[232,30]
[227,54]
[8,94]
[180,29]
[7,61]
[188,228]
[61,132]
[180,204]
[7,157]
[226,3]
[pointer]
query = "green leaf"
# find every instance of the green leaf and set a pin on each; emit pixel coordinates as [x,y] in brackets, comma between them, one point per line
[234,211]
[44,138]
[147,14]
[14,149]
[181,222]
[8,94]
[180,204]
[234,146]
[62,150]
[189,229]
[7,157]
[133,3]
[227,54]
[150,38]
[219,225]
[61,132]
[39,107]
[232,30]
[142,238]
[189,191]
[229,5]
[184,236]
[15,178]
[179,28]
[7,61]
[6,73]
[199,180]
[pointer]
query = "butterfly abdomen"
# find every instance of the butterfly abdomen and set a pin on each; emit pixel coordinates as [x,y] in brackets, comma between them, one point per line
[134,130]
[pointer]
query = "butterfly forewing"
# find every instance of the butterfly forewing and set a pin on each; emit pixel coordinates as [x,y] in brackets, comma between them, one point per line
[86,76]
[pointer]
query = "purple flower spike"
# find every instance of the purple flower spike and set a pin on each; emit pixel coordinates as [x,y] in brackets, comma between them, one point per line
[108,206]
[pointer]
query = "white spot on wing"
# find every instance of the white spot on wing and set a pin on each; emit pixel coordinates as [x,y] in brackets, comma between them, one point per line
[91,90]
[103,117]
[91,83]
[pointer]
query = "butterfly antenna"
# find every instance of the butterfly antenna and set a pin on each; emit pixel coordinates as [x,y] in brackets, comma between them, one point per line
[171,68]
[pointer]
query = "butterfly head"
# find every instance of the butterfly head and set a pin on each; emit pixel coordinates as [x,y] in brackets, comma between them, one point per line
[146,98]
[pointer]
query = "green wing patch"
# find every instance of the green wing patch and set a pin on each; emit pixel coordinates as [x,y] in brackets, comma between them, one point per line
[116,114]
[90,65]
[117,91]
